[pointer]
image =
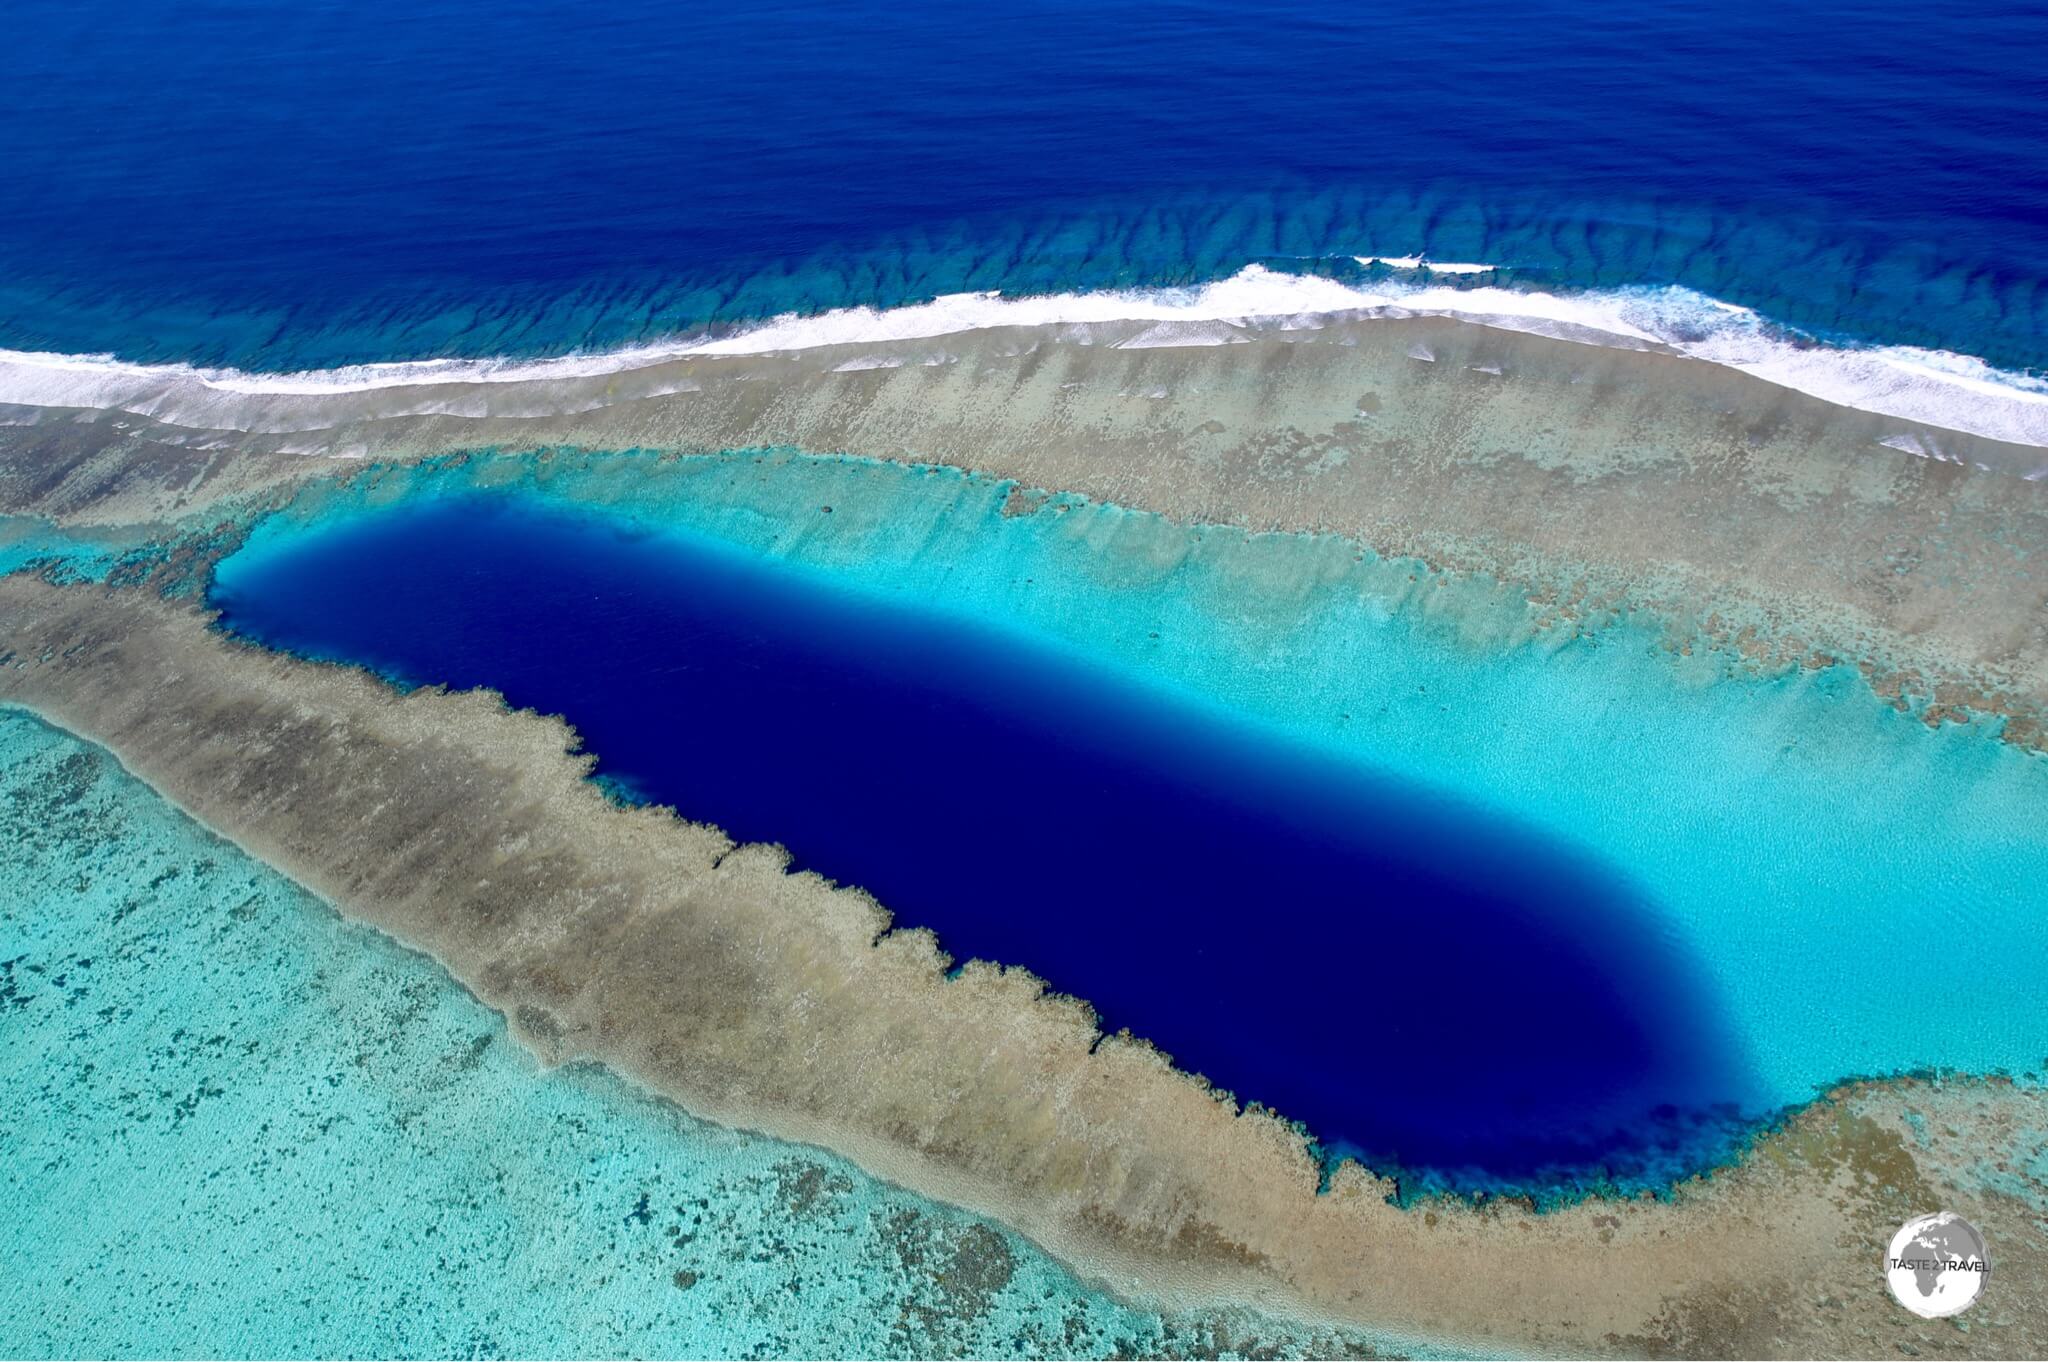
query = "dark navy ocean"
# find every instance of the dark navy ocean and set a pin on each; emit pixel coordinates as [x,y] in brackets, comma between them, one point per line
[291,187]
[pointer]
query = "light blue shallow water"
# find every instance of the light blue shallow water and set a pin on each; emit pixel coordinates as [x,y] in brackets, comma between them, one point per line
[238,1126]
[28,543]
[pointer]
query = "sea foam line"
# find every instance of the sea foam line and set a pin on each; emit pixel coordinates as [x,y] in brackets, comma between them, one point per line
[1927,387]
[1423,262]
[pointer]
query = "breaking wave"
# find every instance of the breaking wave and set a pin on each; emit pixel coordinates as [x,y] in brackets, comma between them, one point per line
[1932,388]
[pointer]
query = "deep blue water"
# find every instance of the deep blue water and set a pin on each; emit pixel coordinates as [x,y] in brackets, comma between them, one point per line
[1414,980]
[290,185]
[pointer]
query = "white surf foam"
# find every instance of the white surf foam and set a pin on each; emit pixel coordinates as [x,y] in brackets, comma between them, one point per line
[1423,262]
[1924,387]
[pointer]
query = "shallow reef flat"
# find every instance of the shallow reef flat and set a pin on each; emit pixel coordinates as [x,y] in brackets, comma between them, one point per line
[1545,530]
[187,1025]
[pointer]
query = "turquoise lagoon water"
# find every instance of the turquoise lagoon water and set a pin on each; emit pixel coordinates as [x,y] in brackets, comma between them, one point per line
[1824,862]
[33,544]
[239,1126]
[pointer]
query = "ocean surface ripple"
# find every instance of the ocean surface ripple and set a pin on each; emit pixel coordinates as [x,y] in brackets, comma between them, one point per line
[540,180]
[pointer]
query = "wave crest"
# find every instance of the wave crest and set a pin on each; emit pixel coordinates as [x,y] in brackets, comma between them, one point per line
[1927,387]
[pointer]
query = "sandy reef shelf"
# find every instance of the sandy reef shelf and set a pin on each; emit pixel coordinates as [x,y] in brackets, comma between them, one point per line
[763,999]
[1595,479]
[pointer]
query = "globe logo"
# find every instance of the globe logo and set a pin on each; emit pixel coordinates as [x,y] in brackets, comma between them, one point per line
[1936,1266]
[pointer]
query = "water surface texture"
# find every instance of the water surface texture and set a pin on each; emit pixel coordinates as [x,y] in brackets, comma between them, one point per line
[210,1079]
[333,183]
